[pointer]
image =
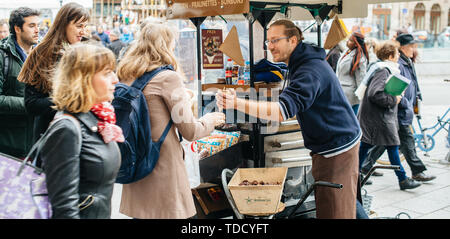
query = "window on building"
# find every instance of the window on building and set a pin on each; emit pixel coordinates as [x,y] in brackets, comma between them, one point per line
[382,19]
[435,21]
[419,17]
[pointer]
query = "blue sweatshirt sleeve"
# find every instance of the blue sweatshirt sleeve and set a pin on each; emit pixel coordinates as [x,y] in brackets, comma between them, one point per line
[299,95]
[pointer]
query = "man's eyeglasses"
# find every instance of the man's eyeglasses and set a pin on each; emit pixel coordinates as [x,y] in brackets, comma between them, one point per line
[274,41]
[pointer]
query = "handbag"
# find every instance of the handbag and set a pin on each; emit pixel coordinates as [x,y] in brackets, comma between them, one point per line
[23,189]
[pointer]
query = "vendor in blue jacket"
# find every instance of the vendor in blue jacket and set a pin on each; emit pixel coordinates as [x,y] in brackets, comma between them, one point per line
[330,128]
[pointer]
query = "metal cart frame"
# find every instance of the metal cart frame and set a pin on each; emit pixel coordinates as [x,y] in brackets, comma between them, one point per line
[263,12]
[229,173]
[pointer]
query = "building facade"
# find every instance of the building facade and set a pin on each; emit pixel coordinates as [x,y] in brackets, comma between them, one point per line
[431,16]
[48,8]
[134,11]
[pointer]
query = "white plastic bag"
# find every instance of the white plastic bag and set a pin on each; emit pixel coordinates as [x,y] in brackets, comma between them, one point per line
[361,91]
[191,161]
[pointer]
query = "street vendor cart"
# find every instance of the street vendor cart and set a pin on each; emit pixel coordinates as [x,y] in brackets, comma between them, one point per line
[262,144]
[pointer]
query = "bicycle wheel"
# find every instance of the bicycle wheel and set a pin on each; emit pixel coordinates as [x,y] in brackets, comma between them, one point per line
[385,161]
[425,144]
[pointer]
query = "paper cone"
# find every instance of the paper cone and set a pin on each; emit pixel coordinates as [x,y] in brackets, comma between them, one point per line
[232,48]
[337,33]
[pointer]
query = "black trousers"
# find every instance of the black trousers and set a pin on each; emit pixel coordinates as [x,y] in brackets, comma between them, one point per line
[407,147]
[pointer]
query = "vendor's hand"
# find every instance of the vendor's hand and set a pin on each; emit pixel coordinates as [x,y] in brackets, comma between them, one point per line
[399,98]
[218,118]
[226,99]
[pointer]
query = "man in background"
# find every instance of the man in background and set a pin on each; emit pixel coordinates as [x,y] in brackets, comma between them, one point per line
[126,36]
[16,126]
[4,29]
[116,44]
[103,36]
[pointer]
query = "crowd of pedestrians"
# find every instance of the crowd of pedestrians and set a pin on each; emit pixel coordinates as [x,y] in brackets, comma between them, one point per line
[386,121]
[72,72]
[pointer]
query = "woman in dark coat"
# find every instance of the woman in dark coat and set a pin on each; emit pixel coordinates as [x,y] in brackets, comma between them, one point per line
[378,115]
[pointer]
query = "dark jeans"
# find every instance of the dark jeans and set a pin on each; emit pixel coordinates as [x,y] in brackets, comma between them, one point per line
[394,158]
[407,147]
[360,213]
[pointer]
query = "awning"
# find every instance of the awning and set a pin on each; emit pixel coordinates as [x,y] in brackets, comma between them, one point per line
[350,8]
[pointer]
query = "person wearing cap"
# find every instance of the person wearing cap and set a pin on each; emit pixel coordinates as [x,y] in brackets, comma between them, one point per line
[330,129]
[406,113]
[351,68]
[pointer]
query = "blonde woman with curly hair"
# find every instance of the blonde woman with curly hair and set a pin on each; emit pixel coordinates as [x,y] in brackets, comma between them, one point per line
[80,156]
[165,193]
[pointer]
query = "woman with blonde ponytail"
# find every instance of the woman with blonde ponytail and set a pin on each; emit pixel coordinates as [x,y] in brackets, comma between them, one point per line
[165,192]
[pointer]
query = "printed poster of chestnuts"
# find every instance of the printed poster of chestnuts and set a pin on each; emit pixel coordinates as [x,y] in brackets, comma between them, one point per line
[212,56]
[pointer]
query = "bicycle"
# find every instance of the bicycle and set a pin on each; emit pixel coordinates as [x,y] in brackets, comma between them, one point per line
[425,141]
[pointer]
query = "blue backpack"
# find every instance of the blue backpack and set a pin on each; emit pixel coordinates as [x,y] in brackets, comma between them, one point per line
[139,152]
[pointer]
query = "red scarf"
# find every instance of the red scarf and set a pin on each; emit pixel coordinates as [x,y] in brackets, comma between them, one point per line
[107,122]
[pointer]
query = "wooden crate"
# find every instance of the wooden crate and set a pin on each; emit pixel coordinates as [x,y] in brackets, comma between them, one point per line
[258,199]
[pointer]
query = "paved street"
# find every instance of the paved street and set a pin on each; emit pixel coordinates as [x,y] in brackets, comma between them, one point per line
[431,199]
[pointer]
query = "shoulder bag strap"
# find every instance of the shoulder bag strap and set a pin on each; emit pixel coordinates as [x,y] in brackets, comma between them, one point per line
[142,81]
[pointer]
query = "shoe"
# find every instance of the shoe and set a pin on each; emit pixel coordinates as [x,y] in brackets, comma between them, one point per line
[423,177]
[368,182]
[409,183]
[377,174]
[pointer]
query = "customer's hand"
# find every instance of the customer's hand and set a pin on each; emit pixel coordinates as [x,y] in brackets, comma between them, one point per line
[226,99]
[218,118]
[399,98]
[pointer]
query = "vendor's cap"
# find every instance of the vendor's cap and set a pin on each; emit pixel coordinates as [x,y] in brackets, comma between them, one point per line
[405,39]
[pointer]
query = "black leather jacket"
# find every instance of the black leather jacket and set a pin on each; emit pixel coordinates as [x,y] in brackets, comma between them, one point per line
[80,184]
[39,105]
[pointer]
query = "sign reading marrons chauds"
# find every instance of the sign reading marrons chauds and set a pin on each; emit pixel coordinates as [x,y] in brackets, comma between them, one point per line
[204,8]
